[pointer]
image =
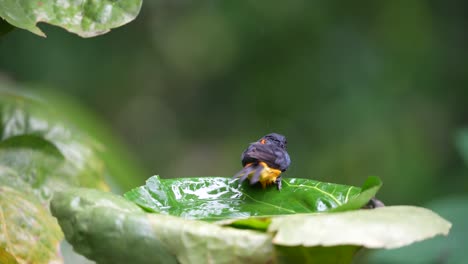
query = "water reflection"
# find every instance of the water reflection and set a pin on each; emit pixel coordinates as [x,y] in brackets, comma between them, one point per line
[220,198]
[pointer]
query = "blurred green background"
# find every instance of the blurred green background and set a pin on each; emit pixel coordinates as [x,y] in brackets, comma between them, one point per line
[361,88]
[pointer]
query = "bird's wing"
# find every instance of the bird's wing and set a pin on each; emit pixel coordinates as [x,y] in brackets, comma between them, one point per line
[258,152]
[274,156]
[244,173]
[282,159]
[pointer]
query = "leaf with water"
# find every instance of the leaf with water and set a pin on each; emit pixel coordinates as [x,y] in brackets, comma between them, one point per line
[217,198]
[109,229]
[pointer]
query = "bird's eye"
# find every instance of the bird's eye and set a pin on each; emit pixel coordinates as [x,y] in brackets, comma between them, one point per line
[263,141]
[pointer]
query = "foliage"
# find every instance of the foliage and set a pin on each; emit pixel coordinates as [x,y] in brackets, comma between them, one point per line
[214,198]
[119,163]
[359,88]
[29,234]
[110,229]
[40,152]
[85,18]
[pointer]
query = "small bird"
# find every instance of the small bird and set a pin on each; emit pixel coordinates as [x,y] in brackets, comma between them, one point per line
[265,160]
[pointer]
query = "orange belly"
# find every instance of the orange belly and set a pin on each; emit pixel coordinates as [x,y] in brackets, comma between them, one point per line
[268,175]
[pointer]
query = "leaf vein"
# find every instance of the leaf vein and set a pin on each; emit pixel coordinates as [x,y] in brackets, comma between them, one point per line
[347,194]
[319,190]
[278,207]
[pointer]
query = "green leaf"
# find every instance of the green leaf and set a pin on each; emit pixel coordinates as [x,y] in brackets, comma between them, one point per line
[369,189]
[215,198]
[46,151]
[40,152]
[385,227]
[85,18]
[109,229]
[28,233]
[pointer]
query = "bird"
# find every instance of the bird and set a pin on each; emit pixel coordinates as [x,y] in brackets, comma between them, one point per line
[264,160]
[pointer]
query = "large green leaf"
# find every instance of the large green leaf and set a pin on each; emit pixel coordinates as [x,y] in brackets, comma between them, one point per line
[40,152]
[109,229]
[48,153]
[86,18]
[385,227]
[214,198]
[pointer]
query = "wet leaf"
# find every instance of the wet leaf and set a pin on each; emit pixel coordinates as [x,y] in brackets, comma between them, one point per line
[110,229]
[103,227]
[216,198]
[85,18]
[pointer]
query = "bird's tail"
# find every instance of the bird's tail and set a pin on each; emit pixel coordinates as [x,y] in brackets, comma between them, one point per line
[253,169]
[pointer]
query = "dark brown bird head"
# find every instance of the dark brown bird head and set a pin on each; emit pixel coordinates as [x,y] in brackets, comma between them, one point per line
[275,139]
